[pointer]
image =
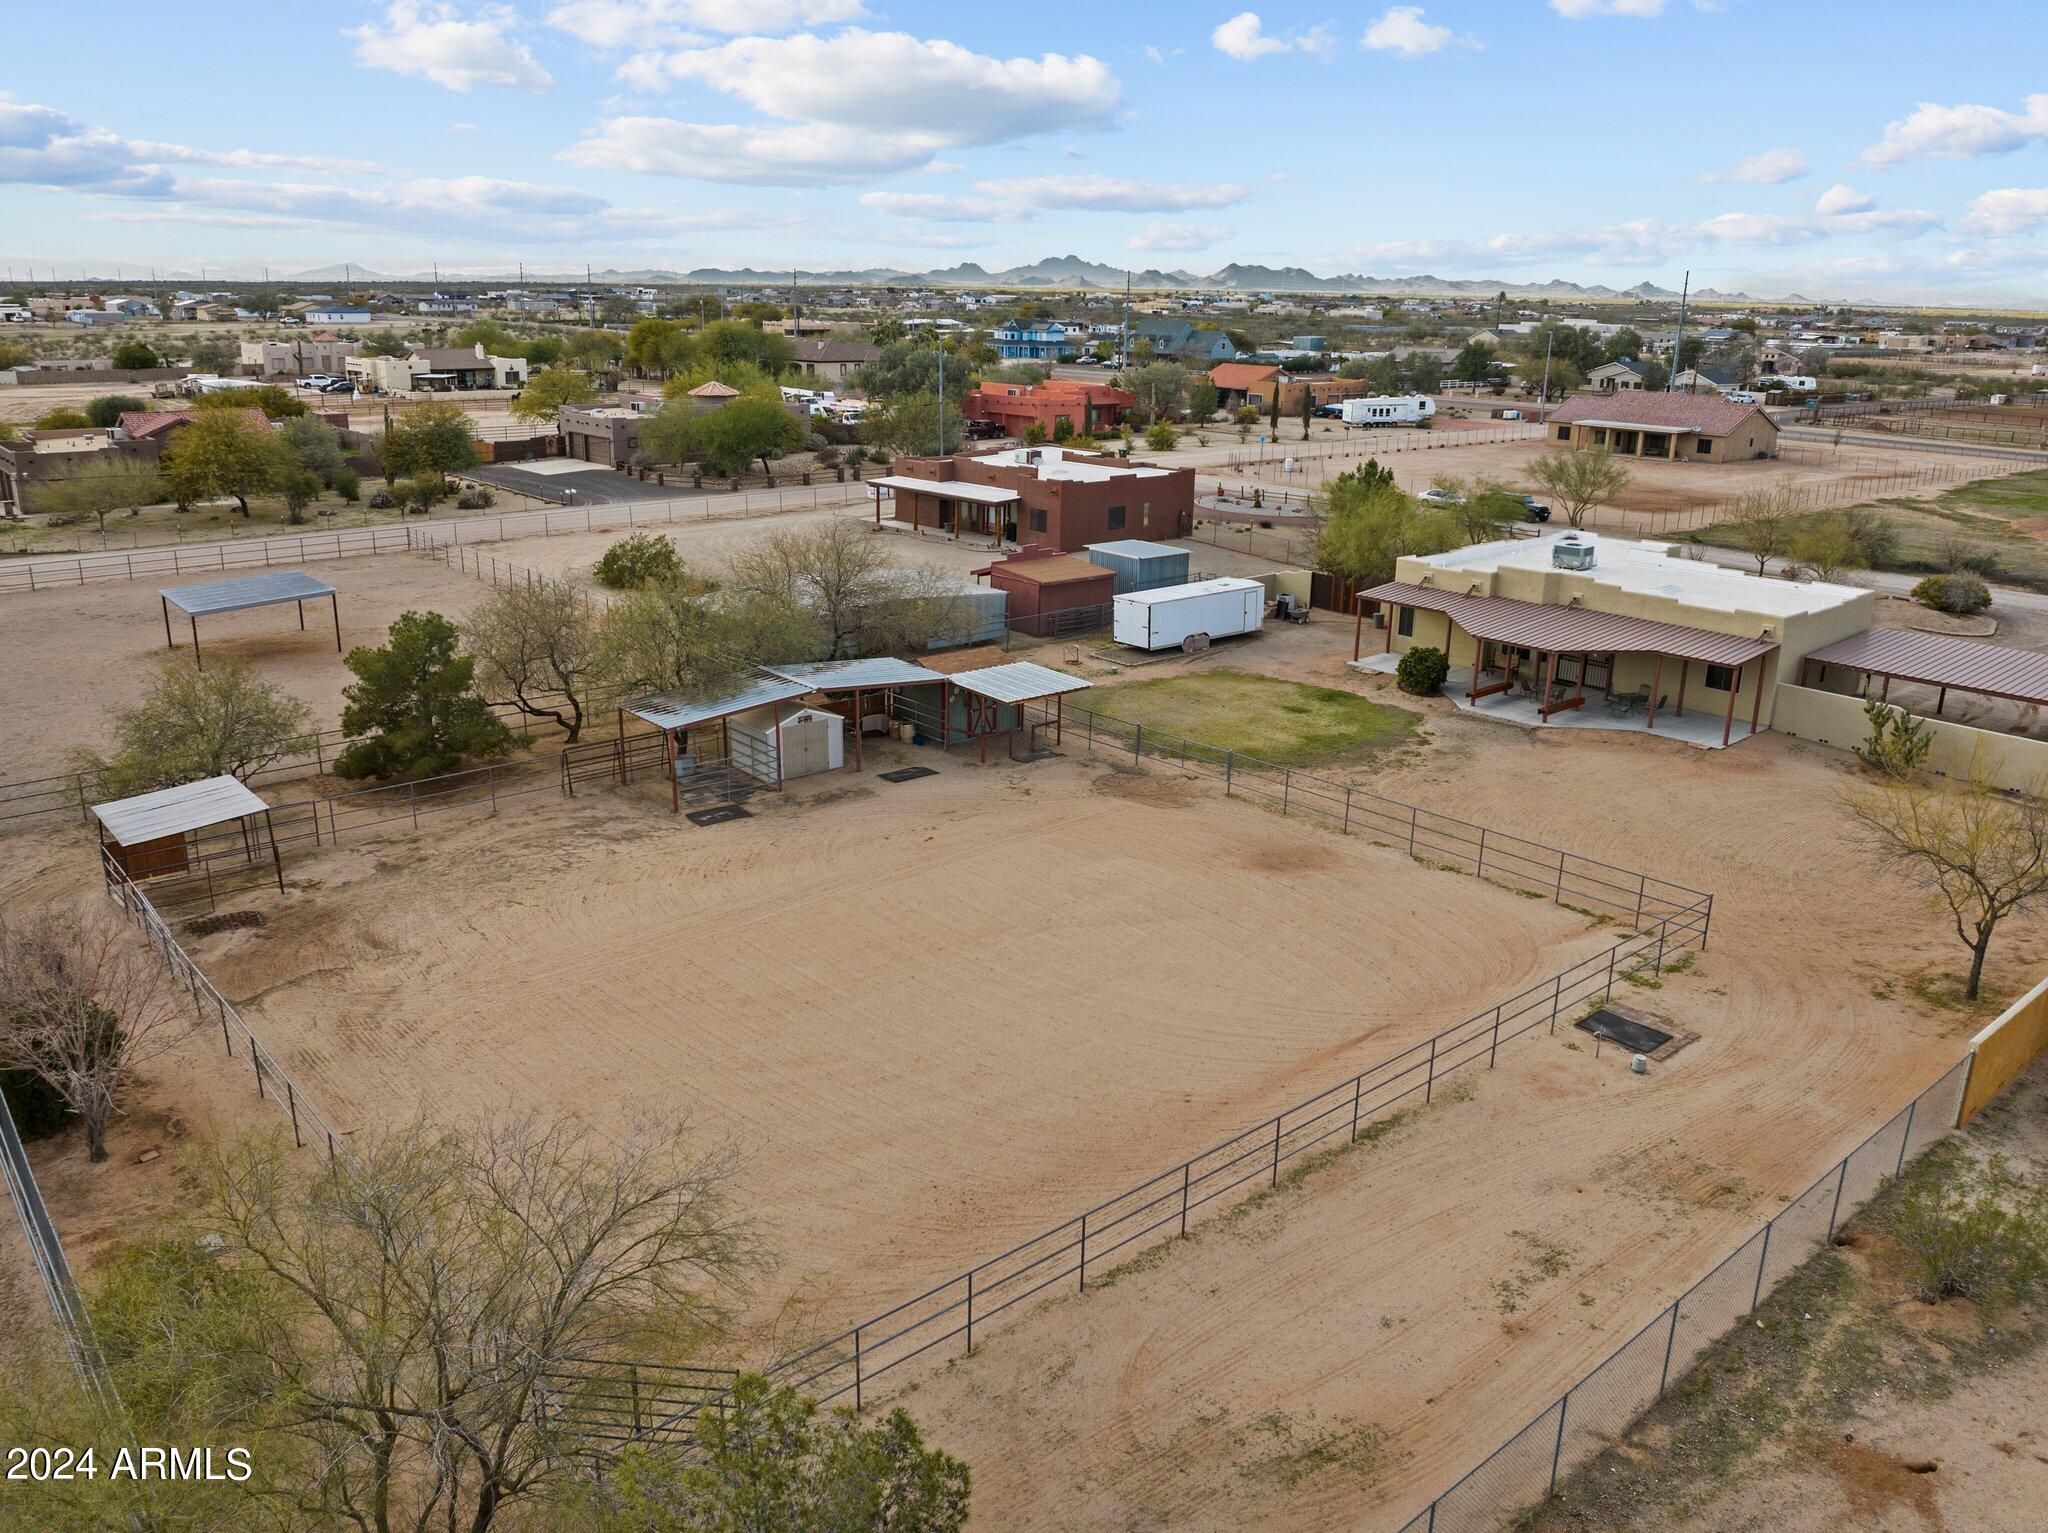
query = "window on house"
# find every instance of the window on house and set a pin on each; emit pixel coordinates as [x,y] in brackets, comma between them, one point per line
[1116,518]
[1404,625]
[1038,519]
[1720,678]
[1706,446]
[1564,433]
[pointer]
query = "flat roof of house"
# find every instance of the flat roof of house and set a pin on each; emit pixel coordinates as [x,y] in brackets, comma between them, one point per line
[1943,660]
[955,489]
[174,811]
[1019,682]
[266,590]
[1055,463]
[1648,568]
[1572,630]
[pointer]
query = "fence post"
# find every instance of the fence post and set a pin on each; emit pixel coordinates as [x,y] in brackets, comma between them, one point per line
[1557,1453]
[1762,1259]
[1413,812]
[292,1098]
[1833,1212]
[1612,953]
[1558,896]
[1642,888]
[1084,1253]
[970,1312]
[1429,1080]
[1229,768]
[1480,870]
[1286,788]
[1662,928]
[1493,1052]
[1357,1090]
[856,1370]
[1137,736]
[1556,1003]
[1347,809]
[1276,1152]
[1186,1173]
[1907,1137]
[1664,1378]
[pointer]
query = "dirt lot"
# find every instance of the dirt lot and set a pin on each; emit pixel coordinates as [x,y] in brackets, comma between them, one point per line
[936,1016]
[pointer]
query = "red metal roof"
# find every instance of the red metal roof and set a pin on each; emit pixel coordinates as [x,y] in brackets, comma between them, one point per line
[1943,660]
[1573,630]
[1707,414]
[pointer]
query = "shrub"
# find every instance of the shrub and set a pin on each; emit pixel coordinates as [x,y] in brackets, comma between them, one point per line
[421,493]
[1422,671]
[639,559]
[1974,1232]
[1246,415]
[1160,436]
[1034,435]
[348,484]
[381,500]
[1961,594]
[38,1107]
[1897,744]
[108,409]
[478,499]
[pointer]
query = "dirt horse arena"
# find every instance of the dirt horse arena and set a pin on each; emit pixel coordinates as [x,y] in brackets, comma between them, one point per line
[935,1016]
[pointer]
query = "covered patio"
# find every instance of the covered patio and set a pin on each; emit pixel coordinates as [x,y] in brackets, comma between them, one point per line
[1536,664]
[950,506]
[1944,662]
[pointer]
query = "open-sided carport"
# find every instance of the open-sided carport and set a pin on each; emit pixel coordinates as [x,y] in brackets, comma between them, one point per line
[676,716]
[1939,660]
[864,679]
[999,699]
[273,588]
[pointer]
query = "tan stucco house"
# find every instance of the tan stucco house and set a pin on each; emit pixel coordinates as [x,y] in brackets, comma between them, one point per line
[1688,427]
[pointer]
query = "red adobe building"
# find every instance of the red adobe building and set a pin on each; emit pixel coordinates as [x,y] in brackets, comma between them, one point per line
[1091,408]
[1041,497]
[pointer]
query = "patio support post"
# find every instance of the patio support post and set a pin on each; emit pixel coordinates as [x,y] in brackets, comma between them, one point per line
[335,598]
[1684,675]
[169,642]
[1581,693]
[1358,628]
[1656,681]
[1940,701]
[1756,704]
[1393,611]
[1549,681]
[1734,686]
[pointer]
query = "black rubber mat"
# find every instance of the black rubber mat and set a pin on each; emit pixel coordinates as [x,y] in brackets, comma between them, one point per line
[909,774]
[719,815]
[1636,1037]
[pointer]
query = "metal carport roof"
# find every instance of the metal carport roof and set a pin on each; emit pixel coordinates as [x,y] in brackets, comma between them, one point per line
[954,489]
[1019,682]
[669,712]
[265,590]
[174,811]
[1572,630]
[852,675]
[1943,660]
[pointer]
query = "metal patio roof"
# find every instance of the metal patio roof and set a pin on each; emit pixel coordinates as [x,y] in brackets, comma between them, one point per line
[668,712]
[954,489]
[851,675]
[1019,682]
[174,811]
[1135,548]
[1943,660]
[1572,630]
[265,590]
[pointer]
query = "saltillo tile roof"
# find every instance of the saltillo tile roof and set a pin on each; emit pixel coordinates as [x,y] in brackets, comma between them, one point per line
[1238,375]
[1706,414]
[1572,630]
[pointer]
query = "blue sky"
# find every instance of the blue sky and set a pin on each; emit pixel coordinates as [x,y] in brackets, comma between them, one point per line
[1764,146]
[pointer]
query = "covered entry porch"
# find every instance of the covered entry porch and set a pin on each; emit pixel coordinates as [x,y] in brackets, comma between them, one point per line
[951,507]
[1539,664]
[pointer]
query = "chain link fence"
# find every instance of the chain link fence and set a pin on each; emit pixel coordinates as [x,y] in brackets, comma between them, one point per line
[1596,1411]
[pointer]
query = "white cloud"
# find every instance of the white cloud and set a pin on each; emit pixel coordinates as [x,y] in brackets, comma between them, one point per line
[779,154]
[1244,38]
[937,207]
[462,127]
[1578,10]
[1165,236]
[617,24]
[40,145]
[458,49]
[1109,194]
[858,103]
[1959,132]
[2009,210]
[1773,167]
[1839,199]
[1402,30]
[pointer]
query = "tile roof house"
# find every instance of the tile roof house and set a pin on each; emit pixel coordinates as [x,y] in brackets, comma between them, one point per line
[1615,377]
[1640,424]
[1234,381]
[828,359]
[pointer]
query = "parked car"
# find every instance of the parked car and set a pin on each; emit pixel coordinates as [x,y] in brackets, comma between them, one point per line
[317,380]
[1532,508]
[336,386]
[1434,496]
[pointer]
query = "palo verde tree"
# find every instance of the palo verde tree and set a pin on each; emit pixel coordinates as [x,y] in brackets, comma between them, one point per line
[413,710]
[435,438]
[535,647]
[548,392]
[1579,482]
[1979,854]
[224,721]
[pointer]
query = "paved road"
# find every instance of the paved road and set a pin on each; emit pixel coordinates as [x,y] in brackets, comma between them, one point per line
[588,487]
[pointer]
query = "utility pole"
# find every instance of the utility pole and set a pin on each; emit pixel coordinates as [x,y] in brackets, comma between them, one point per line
[1678,345]
[1123,340]
[1543,404]
[796,325]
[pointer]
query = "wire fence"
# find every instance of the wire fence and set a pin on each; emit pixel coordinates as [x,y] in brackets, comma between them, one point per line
[74,1327]
[1527,1468]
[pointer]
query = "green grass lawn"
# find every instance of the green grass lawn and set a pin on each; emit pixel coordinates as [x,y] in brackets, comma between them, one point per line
[1285,722]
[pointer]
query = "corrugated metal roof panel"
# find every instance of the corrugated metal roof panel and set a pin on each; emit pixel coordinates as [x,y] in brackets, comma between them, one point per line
[668,712]
[1138,548]
[845,675]
[1943,660]
[265,590]
[951,489]
[1573,630]
[1019,682]
[174,811]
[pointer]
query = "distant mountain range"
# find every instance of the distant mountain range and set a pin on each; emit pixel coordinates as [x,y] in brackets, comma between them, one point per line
[1068,271]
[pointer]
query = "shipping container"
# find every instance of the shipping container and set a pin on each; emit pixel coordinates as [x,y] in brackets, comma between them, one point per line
[1167,617]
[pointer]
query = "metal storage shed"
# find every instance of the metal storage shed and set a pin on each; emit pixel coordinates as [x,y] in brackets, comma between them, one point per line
[861,678]
[271,589]
[1139,565]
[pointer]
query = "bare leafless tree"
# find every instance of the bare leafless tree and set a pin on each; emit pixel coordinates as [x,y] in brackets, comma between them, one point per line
[84,1004]
[842,573]
[1766,525]
[536,647]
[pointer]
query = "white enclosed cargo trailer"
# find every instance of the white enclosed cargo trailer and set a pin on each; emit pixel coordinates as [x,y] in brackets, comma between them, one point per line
[1388,410]
[1165,618]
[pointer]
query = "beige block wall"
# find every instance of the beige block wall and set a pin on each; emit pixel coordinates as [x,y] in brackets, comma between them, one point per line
[1837,719]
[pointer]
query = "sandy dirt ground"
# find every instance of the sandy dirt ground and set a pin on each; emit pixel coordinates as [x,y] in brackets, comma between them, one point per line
[1337,1357]
[935,1016]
